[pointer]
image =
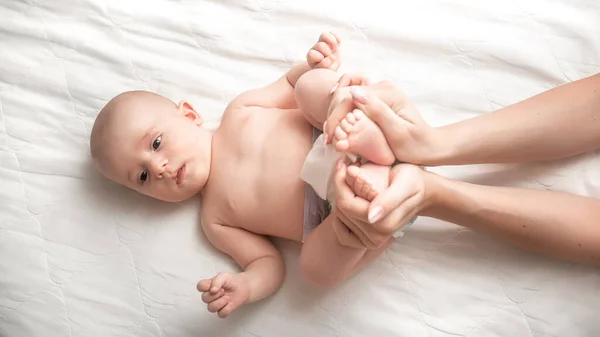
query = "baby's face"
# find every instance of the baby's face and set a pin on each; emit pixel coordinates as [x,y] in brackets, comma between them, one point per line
[159,150]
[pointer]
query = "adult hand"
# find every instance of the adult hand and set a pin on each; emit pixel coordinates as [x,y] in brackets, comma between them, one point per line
[371,224]
[409,137]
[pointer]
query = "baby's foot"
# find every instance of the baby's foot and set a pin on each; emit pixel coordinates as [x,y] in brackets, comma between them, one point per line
[359,135]
[368,180]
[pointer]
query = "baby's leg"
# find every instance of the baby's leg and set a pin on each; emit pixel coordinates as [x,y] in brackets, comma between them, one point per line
[358,134]
[312,94]
[325,261]
[368,180]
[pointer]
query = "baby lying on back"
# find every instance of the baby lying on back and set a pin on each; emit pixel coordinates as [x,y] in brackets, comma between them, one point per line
[248,173]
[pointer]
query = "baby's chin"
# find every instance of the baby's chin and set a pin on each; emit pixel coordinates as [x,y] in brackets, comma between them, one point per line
[178,197]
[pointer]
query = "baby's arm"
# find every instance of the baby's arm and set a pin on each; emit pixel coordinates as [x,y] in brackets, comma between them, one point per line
[325,262]
[280,94]
[263,265]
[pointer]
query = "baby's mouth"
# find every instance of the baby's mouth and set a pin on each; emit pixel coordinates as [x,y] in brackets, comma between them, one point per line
[180,175]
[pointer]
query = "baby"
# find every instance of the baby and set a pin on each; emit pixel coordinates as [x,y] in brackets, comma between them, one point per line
[249,173]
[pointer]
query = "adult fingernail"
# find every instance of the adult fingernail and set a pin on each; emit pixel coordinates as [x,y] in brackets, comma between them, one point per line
[375,214]
[359,94]
[334,88]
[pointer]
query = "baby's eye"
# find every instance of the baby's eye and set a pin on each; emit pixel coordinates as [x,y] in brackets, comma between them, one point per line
[156,143]
[144,176]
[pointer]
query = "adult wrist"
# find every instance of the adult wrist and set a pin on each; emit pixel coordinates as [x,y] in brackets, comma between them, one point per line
[441,149]
[435,195]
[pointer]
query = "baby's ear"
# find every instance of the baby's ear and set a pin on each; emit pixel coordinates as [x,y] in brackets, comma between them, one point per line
[188,111]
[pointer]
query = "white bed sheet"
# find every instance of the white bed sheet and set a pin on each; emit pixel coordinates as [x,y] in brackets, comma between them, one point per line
[81,257]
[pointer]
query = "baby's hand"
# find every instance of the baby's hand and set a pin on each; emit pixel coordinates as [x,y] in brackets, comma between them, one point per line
[224,293]
[325,53]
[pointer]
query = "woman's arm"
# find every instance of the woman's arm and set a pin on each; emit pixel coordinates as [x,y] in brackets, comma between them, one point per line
[558,123]
[556,224]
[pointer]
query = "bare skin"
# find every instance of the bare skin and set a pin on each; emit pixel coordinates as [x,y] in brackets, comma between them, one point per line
[247,173]
[553,223]
[360,135]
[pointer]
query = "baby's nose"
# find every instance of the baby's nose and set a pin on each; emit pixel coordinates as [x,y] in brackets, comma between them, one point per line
[158,167]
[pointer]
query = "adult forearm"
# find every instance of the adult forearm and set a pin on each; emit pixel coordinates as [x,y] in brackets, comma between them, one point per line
[264,276]
[556,224]
[560,122]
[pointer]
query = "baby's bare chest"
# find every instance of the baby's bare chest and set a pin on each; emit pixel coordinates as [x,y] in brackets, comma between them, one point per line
[257,161]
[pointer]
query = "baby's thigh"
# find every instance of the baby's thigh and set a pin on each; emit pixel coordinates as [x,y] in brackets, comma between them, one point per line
[313,96]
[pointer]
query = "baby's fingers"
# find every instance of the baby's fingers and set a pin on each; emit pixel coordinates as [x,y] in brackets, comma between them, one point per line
[331,40]
[218,282]
[218,304]
[227,310]
[203,285]
[209,297]
[314,57]
[327,63]
[323,48]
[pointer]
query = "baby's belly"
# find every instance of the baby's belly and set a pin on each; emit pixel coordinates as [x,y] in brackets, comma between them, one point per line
[281,214]
[267,187]
[280,190]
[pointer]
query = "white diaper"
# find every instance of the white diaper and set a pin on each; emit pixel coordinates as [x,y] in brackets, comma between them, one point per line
[319,169]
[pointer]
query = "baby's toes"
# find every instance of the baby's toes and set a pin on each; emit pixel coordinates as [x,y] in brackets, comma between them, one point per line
[372,194]
[365,189]
[346,126]
[353,171]
[358,114]
[340,133]
[350,178]
[359,183]
[350,118]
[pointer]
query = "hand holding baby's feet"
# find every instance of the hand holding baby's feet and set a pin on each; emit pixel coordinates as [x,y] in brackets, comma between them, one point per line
[224,293]
[359,135]
[367,180]
[325,53]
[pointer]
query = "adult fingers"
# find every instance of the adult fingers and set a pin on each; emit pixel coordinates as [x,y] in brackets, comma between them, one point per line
[398,217]
[351,211]
[345,235]
[351,80]
[388,200]
[376,109]
[341,104]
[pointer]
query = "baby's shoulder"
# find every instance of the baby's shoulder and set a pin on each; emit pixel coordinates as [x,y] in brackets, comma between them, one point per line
[240,116]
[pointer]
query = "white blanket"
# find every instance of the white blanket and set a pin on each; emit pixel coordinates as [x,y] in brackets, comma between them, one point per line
[82,257]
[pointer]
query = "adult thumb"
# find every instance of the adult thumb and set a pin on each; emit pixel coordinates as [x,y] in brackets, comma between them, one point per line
[386,202]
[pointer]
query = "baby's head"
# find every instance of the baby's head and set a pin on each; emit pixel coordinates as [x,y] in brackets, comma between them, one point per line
[146,142]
